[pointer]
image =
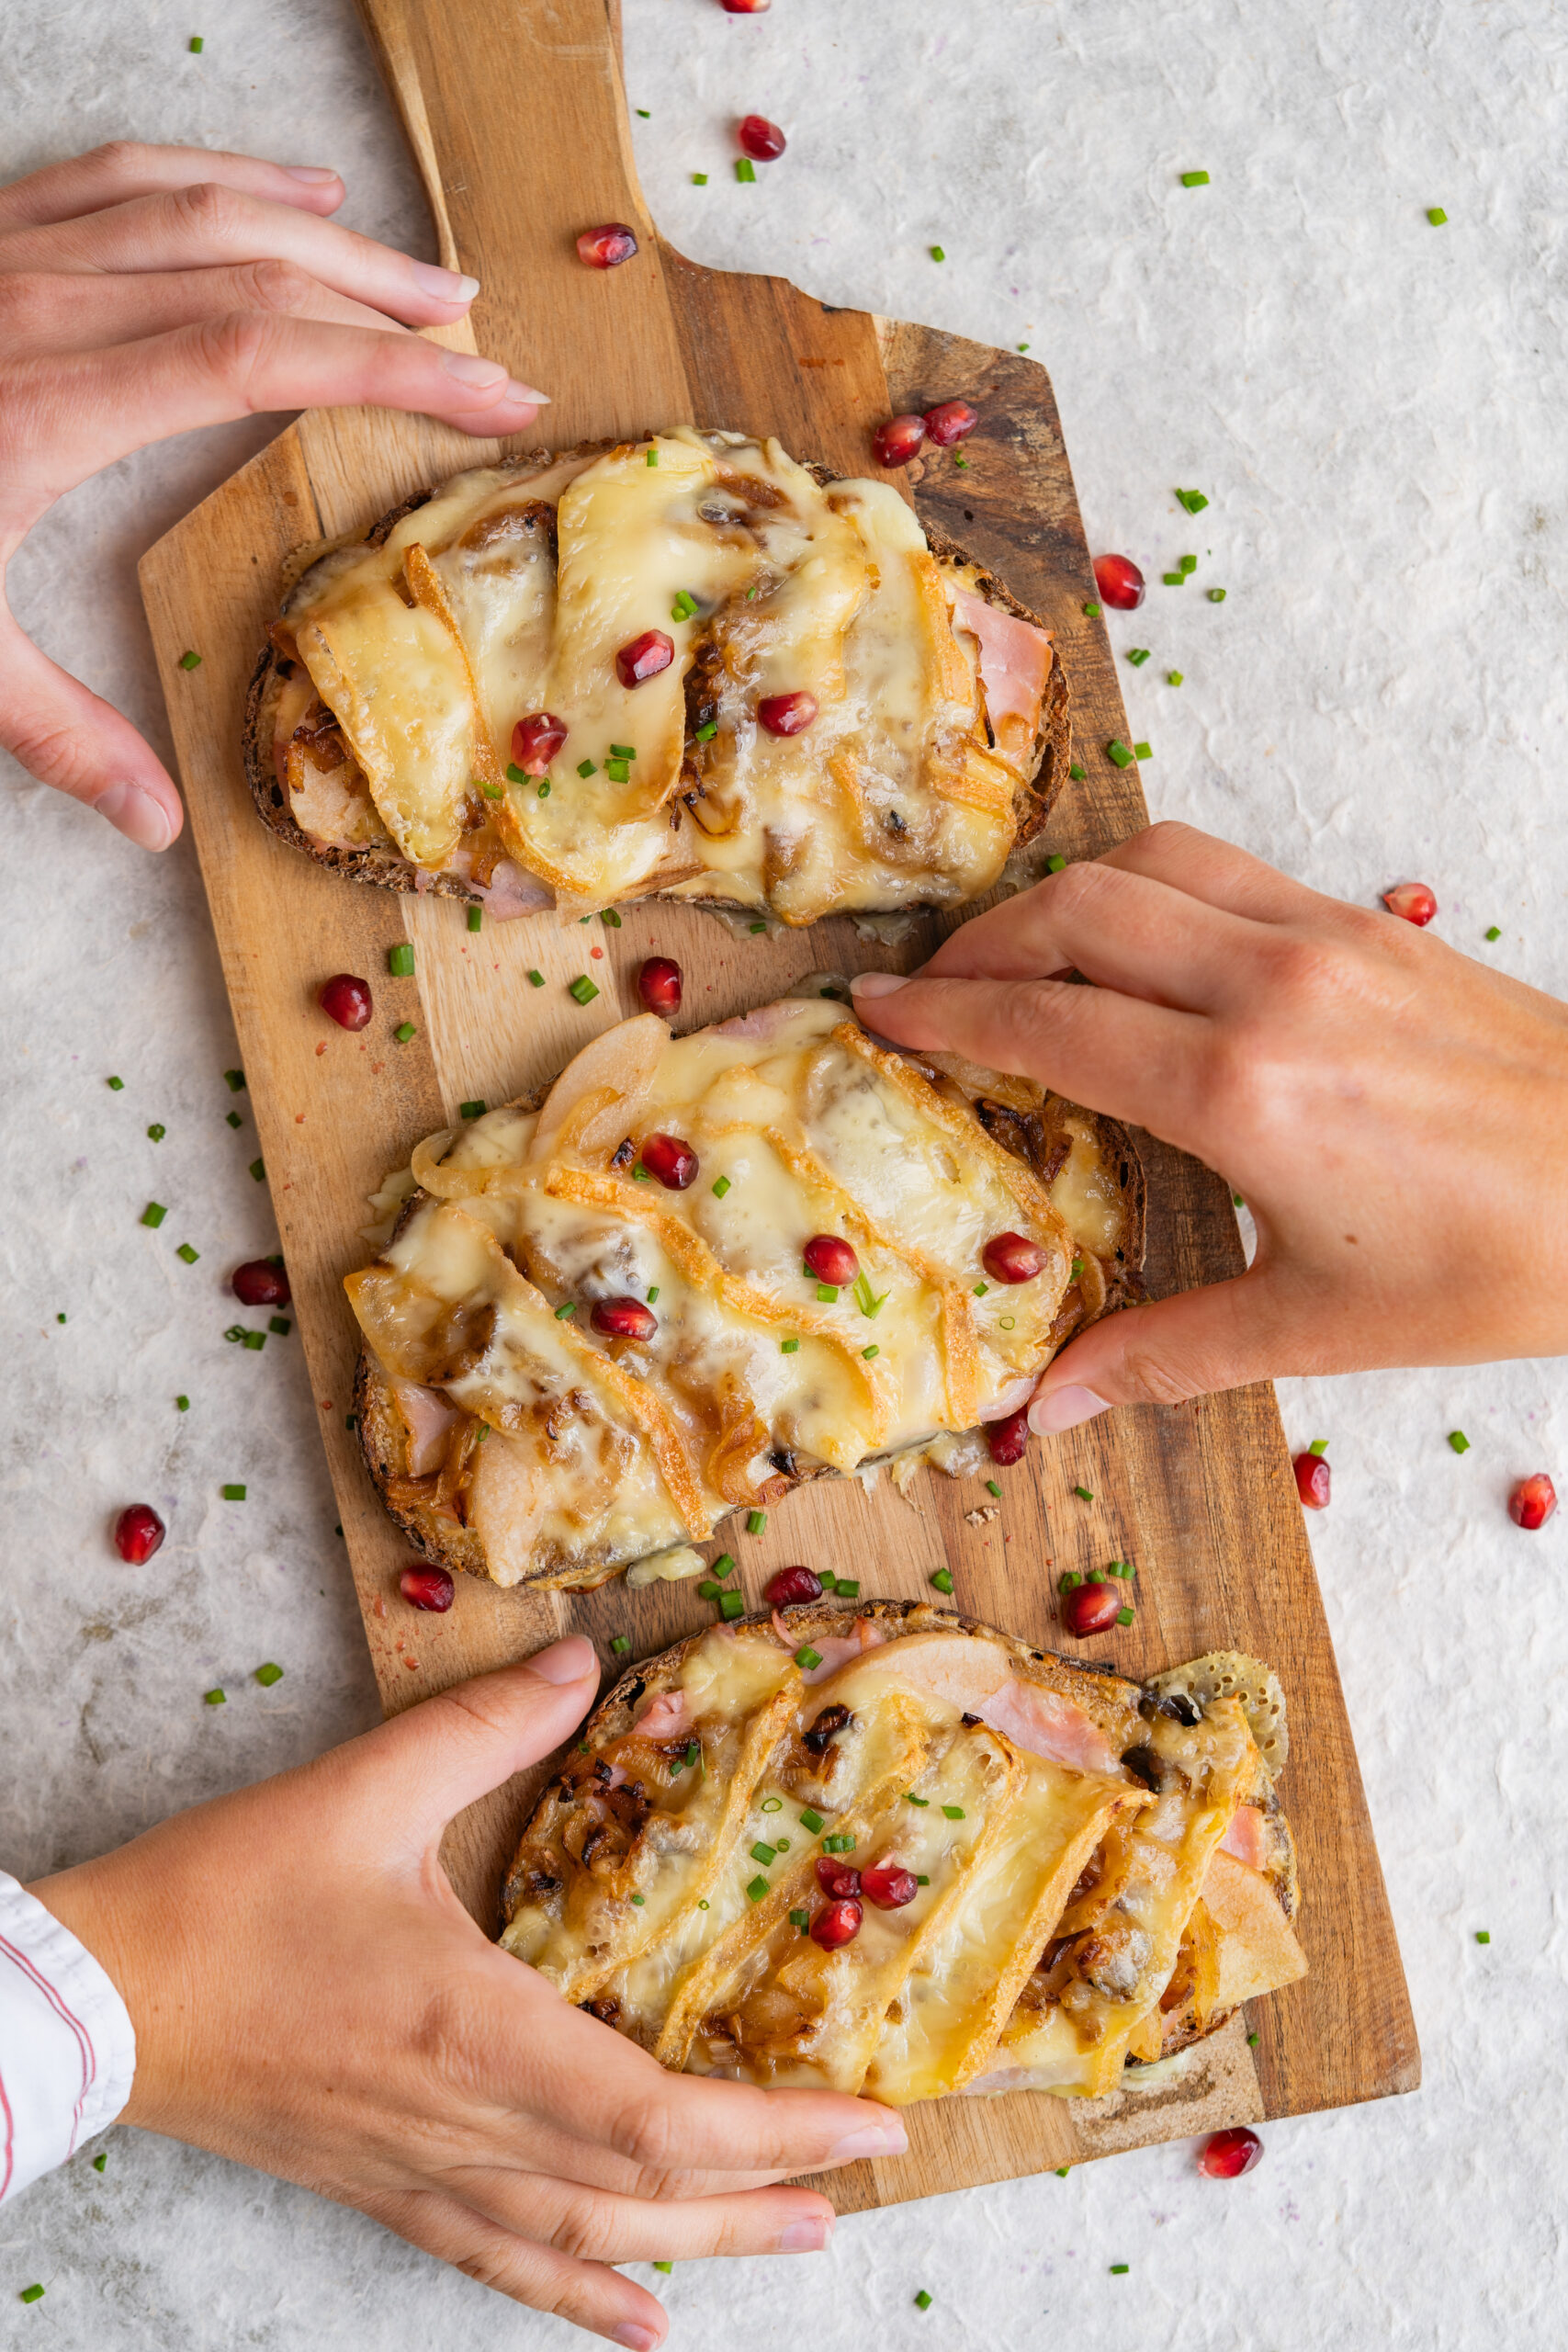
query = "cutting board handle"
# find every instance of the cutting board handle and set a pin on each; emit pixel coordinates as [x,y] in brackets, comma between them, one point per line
[517,119]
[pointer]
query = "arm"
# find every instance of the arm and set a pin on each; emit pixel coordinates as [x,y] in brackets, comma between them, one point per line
[1395,1115]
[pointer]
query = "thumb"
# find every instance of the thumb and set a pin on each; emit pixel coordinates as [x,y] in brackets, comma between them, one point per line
[428,1764]
[1217,1337]
[69,738]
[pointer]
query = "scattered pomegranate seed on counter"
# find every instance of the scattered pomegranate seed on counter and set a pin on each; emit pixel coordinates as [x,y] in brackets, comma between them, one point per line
[1012,1258]
[1008,1440]
[673,1162]
[1120,582]
[839,1923]
[536,740]
[1532,1501]
[831,1260]
[137,1532]
[607,246]
[841,1879]
[1225,2155]
[624,1319]
[258,1283]
[745,7]
[658,984]
[1091,1608]
[788,1585]
[1411,901]
[426,1588]
[950,421]
[786,714]
[645,657]
[1313,1482]
[899,440]
[347,1000]
[888,1886]
[760,139]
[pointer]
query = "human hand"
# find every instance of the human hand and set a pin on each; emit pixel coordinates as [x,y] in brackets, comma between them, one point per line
[147,290]
[310,1996]
[1395,1115]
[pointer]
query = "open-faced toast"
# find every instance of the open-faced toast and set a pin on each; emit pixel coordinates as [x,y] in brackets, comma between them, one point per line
[593,1331]
[887,1848]
[848,713]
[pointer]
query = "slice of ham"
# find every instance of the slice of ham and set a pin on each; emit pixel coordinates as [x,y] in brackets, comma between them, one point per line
[976,1677]
[1247,1838]
[512,891]
[834,1649]
[667,1714]
[427,1418]
[1015,660]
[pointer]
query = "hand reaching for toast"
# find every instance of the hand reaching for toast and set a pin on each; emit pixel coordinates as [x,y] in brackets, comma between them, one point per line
[1395,1115]
[310,1996]
[147,290]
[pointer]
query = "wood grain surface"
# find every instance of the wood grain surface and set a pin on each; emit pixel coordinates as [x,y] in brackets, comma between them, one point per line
[1201,1497]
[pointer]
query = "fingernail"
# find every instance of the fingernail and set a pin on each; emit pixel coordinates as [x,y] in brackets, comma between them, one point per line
[469,368]
[445,284]
[808,2236]
[1064,1408]
[638,2340]
[566,1661]
[516,391]
[313,174]
[888,2139]
[135,813]
[876,983]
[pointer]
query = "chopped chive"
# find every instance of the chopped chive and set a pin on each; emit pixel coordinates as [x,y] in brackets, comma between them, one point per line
[623,750]
[115,1085]
[583,989]
[1076,772]
[29,2294]
[720,1189]
[745,170]
[826,1579]
[1137,655]
[196,45]
[827,1293]
[1094,1576]
[1092,611]
[1318,1445]
[708,729]
[724,1564]
[981,1289]
[806,1657]
[640,1174]
[756,927]
[755,1522]
[1118,2270]
[191,660]
[491,791]
[868,1352]
[643,111]
[1142,752]
[801,1920]
[838,1845]
[476,918]
[1459,1440]
[764,1853]
[1194,179]
[1483,1936]
[942,1578]
[403,1031]
[911,1798]
[1008,1322]
[400,959]
[1216,596]
[758,1888]
[255,1341]
[280,1324]
[699,179]
[1193,500]
[545,789]
[867,1300]
[1078,1267]
[812,1821]
[685,605]
[60,1318]
[236,1331]
[992,1488]
[1084,1494]
[1124,1616]
[937,254]
[849,1588]
[1188,564]
[470,1109]
[920,1879]
[1496,932]
[703,1903]
[515,774]
[708,1590]
[922,2300]
[1062,2171]
[771,1804]
[693,1755]
[268,1674]
[187,1253]
[955,1812]
[101,2160]
[1237,1200]
[568,1307]
[1173,579]
[537,979]
[155,1212]
[1117,751]
[233,1118]
[617,771]
[1022,346]
[182,1404]
[1436,215]
[653,1292]
[620,1643]
[586,767]
[1173,677]
[215,1698]
[732,1604]
[157,1132]
[1068,1581]
[235,1079]
[1056,862]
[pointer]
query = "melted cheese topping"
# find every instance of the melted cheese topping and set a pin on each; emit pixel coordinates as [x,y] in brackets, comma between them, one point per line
[602,1449]
[511,592]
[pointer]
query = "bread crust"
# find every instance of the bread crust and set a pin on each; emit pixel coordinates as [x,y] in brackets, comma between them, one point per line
[387,869]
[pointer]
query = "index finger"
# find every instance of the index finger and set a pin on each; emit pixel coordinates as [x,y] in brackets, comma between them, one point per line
[124,168]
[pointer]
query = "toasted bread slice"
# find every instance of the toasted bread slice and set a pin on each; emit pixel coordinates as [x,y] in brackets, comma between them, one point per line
[299,766]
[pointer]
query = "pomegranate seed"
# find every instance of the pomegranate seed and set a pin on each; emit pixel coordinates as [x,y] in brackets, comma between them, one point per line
[786,714]
[841,1879]
[607,246]
[839,1923]
[761,139]
[788,1585]
[658,985]
[673,1162]
[537,739]
[950,421]
[1412,901]
[1532,1501]
[1008,1440]
[624,1319]
[1091,1608]
[258,1283]
[831,1260]
[426,1588]
[347,1000]
[645,657]
[745,7]
[137,1532]
[899,440]
[1012,1258]
[888,1886]
[1227,2154]
[1313,1482]
[1120,582]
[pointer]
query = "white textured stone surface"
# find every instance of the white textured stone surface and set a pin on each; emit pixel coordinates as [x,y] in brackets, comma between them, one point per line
[1375,410]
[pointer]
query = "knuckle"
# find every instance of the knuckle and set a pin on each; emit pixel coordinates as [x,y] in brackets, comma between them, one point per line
[121,159]
[582,2229]
[1079,886]
[1151,1379]
[231,347]
[209,209]
[30,308]
[644,2134]
[281,286]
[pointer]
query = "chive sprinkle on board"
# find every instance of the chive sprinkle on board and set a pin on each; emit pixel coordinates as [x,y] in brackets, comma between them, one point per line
[1194,179]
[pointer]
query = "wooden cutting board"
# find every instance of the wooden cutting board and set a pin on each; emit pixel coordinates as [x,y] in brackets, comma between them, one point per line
[516,159]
